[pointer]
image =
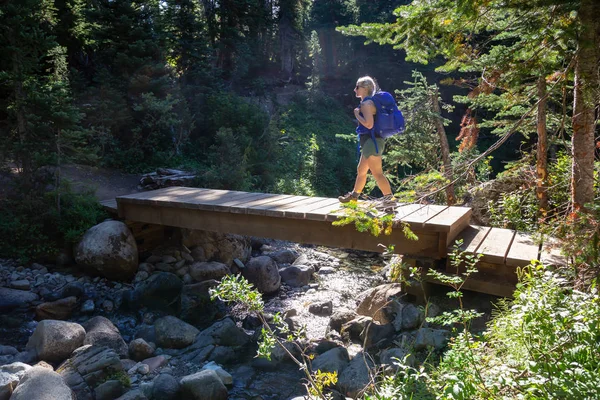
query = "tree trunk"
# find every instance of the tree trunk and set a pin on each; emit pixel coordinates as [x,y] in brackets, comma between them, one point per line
[541,189]
[450,197]
[586,84]
[286,47]
[23,158]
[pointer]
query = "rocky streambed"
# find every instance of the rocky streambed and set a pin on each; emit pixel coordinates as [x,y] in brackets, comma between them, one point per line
[71,333]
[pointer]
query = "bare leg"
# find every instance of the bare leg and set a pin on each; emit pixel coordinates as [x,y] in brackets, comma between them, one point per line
[361,174]
[374,164]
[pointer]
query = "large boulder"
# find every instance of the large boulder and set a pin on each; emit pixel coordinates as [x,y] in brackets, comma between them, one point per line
[100,331]
[217,246]
[173,333]
[357,375]
[59,309]
[108,249]
[40,383]
[262,272]
[54,341]
[377,302]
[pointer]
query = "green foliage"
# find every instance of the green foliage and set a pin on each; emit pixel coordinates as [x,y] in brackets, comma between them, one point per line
[517,210]
[315,153]
[365,218]
[236,289]
[544,346]
[408,383]
[34,226]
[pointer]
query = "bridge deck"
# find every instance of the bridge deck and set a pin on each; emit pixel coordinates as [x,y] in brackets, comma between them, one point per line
[296,218]
[304,219]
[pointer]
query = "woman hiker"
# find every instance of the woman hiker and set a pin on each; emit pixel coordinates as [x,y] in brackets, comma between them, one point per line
[370,152]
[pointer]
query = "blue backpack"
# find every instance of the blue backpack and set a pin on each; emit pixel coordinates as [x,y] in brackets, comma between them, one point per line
[389,121]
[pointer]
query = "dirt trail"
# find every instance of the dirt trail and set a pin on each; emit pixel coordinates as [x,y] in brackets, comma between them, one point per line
[107,183]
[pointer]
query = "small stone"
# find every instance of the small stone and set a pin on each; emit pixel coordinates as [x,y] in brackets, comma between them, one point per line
[143,369]
[21,284]
[169,259]
[69,278]
[141,276]
[108,305]
[311,291]
[88,306]
[326,270]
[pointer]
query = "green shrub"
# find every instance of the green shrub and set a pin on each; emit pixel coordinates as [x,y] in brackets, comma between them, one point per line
[545,345]
[32,225]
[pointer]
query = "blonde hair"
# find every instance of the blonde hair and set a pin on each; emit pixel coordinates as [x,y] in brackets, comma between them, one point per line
[369,83]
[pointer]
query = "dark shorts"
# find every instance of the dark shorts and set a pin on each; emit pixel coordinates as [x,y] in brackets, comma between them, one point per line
[367,147]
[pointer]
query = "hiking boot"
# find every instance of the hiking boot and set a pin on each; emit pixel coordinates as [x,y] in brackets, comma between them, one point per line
[388,200]
[348,197]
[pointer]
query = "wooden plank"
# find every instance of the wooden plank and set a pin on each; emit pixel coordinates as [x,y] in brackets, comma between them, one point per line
[522,251]
[472,237]
[261,209]
[296,230]
[322,214]
[550,253]
[243,207]
[423,214]
[494,287]
[300,211]
[495,245]
[448,218]
[279,210]
[227,204]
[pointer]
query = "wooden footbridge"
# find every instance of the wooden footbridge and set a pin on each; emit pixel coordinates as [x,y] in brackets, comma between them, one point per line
[309,220]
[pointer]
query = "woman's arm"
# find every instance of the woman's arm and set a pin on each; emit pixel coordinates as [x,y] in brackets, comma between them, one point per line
[367,109]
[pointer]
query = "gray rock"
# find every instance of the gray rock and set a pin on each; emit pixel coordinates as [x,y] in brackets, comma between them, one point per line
[21,284]
[222,333]
[356,375]
[225,377]
[436,338]
[223,355]
[340,317]
[8,350]
[100,331]
[135,394]
[7,384]
[16,368]
[88,306]
[285,256]
[263,273]
[40,384]
[326,270]
[396,355]
[54,341]
[13,298]
[296,275]
[332,360]
[203,271]
[109,249]
[87,368]
[173,333]
[302,259]
[216,246]
[161,290]
[165,387]
[407,316]
[197,307]
[203,385]
[321,308]
[59,309]
[377,302]
[109,390]
[139,349]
